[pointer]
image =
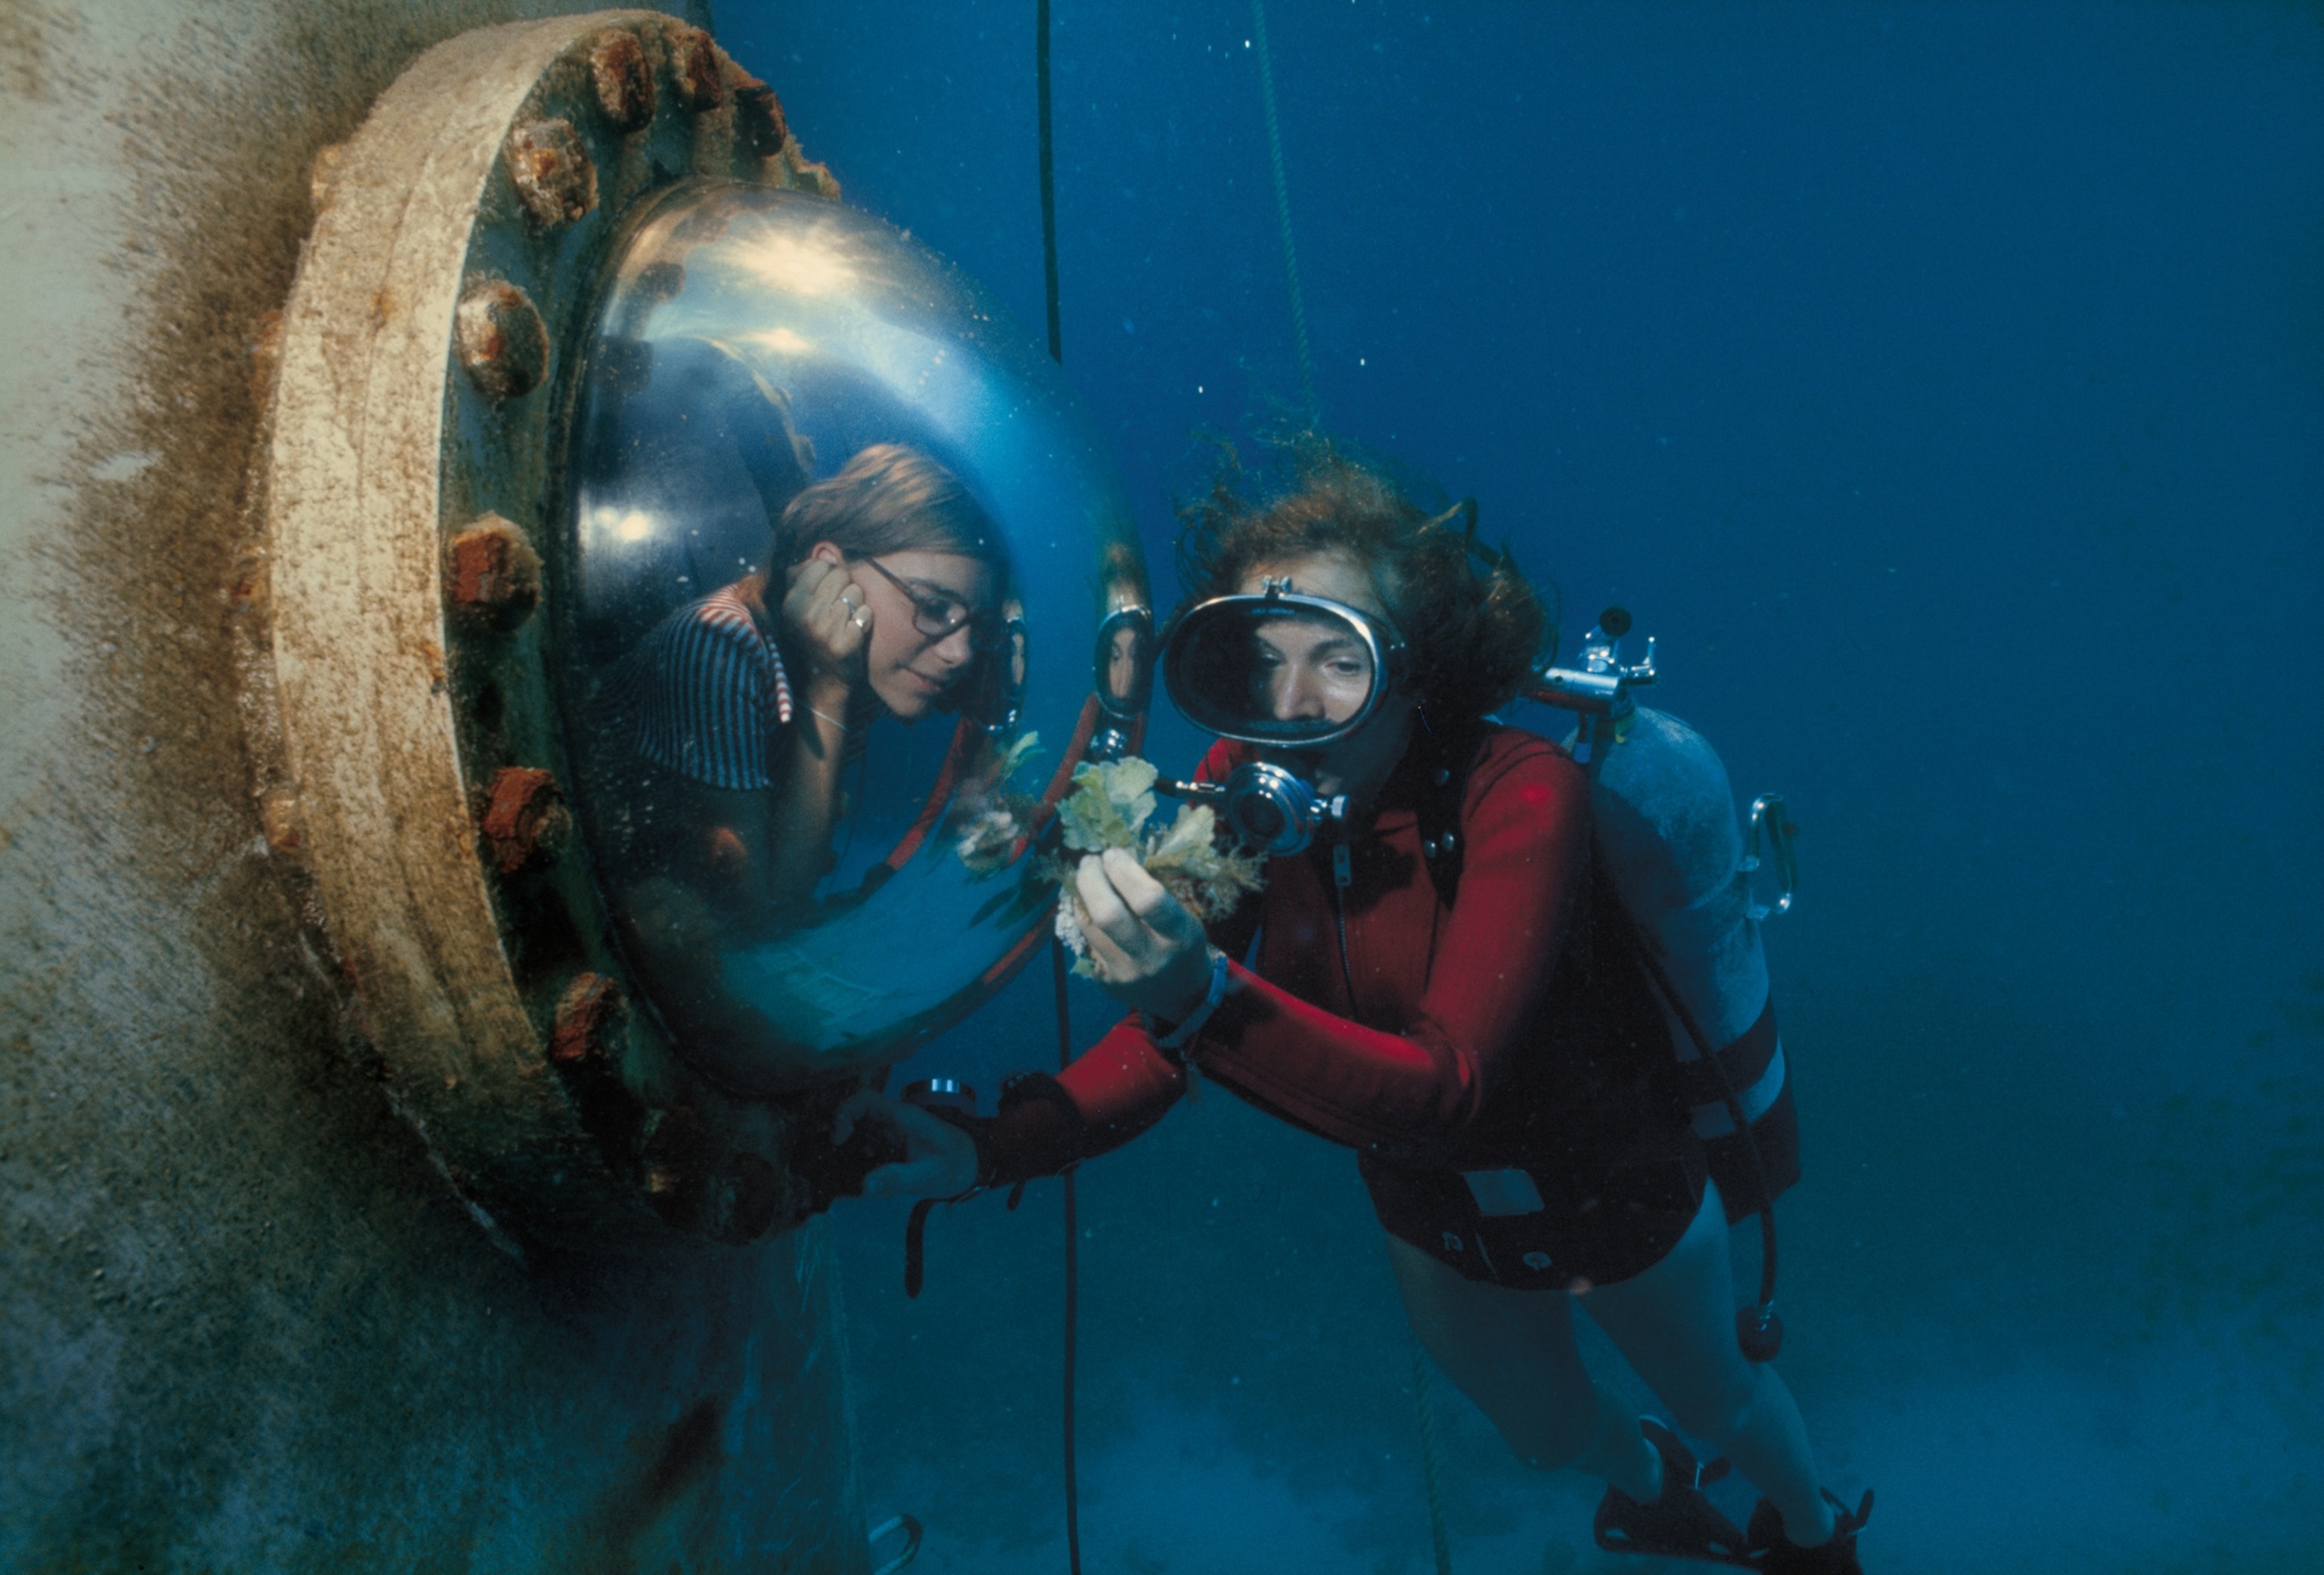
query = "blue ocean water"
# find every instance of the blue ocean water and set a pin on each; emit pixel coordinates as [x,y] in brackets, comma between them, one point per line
[1944,386]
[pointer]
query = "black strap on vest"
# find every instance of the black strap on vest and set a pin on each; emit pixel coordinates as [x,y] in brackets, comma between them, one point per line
[1757,1328]
[1447,755]
[1743,1061]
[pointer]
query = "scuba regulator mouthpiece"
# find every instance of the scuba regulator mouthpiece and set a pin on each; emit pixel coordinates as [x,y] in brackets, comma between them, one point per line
[1276,811]
[1271,808]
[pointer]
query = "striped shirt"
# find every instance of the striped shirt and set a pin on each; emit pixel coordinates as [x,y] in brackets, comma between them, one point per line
[711,694]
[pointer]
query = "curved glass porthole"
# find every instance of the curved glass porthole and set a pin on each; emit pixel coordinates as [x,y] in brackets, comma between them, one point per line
[838,546]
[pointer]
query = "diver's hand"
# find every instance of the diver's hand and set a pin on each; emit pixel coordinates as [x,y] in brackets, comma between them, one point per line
[823,610]
[940,1159]
[1151,953]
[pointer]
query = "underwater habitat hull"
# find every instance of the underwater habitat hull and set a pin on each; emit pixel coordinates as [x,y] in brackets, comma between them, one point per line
[249,1318]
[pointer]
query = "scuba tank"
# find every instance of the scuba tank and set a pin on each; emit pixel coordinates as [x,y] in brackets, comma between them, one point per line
[1668,840]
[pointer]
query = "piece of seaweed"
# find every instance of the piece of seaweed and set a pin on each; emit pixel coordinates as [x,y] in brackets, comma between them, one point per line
[1109,807]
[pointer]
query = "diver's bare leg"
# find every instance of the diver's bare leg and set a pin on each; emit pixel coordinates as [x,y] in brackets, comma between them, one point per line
[1512,1352]
[1675,1324]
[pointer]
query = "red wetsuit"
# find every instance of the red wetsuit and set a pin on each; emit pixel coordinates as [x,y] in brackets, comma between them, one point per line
[1507,1031]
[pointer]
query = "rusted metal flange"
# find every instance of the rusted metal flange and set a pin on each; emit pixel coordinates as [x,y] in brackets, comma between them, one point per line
[457,238]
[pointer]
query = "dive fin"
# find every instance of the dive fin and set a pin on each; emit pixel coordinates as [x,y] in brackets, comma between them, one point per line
[1682,1523]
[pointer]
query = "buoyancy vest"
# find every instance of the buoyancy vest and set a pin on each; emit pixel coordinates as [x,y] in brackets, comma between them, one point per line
[1668,840]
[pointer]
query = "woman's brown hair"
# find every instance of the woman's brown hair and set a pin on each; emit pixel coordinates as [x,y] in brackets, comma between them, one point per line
[1474,627]
[887,498]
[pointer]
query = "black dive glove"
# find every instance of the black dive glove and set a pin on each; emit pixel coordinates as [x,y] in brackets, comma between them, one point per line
[1037,1132]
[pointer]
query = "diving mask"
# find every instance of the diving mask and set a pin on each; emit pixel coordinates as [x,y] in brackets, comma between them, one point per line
[1287,672]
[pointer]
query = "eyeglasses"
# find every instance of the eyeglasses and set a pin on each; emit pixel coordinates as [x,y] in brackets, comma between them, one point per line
[937,615]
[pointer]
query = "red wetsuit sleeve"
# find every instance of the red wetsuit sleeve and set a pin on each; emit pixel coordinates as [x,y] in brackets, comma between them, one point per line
[1118,1088]
[1122,1085]
[1413,1093]
[1115,1089]
[1526,827]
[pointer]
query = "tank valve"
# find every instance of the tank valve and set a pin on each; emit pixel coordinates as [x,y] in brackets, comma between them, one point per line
[1599,690]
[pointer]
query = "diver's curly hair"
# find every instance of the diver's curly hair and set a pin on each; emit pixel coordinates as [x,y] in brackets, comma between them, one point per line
[1472,629]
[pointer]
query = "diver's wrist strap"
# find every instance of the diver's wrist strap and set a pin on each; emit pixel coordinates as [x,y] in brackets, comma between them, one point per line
[1193,1023]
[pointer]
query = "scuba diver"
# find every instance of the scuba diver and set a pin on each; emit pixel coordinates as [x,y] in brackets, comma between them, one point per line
[1442,980]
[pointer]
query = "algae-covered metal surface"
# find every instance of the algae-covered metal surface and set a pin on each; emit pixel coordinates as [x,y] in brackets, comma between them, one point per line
[245,1322]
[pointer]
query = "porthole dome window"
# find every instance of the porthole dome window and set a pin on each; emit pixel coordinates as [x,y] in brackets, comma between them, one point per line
[838,544]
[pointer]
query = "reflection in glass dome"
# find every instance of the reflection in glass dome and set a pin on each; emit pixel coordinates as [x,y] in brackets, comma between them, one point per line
[839,548]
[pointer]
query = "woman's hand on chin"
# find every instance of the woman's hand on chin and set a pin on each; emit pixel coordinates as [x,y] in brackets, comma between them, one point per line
[823,612]
[939,1158]
[1150,952]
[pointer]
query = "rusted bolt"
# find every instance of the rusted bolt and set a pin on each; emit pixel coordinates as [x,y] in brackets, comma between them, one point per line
[624,79]
[805,176]
[699,66]
[552,170]
[491,570]
[503,342]
[588,1013]
[278,818]
[759,117]
[322,172]
[525,818]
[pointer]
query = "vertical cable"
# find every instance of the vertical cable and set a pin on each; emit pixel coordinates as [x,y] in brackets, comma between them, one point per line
[1282,206]
[1431,1474]
[1048,176]
[1057,947]
[1073,1264]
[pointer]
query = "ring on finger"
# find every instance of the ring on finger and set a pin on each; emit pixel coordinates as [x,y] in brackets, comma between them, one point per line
[860,618]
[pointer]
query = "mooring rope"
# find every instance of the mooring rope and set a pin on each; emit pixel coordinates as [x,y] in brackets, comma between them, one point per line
[1056,947]
[1049,177]
[1430,1471]
[1283,208]
[1073,1268]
